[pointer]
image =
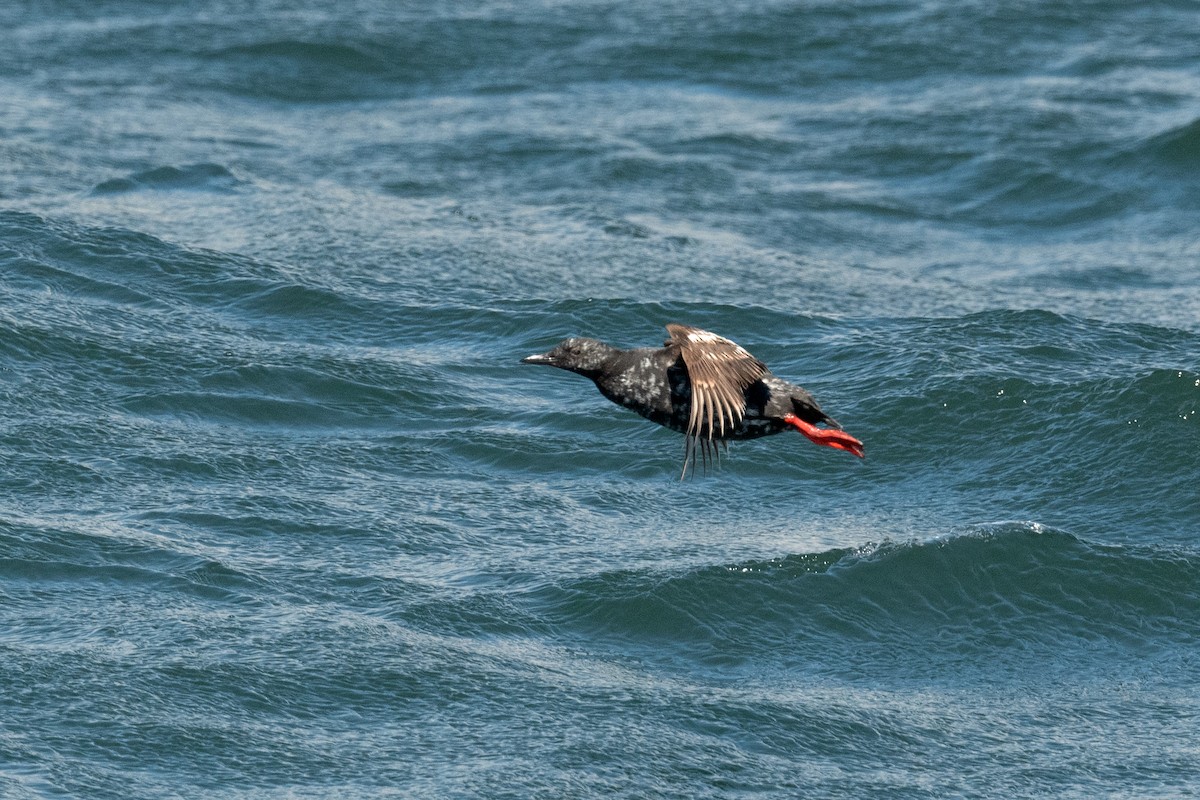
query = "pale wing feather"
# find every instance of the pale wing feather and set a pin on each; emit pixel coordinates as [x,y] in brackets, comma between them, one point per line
[719,371]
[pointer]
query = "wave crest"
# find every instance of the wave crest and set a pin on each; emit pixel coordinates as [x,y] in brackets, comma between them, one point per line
[195,177]
[995,591]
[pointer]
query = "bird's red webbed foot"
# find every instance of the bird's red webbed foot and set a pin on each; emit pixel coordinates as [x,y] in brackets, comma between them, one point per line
[828,437]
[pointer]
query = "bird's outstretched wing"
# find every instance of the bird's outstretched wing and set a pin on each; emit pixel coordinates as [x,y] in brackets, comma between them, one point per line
[719,371]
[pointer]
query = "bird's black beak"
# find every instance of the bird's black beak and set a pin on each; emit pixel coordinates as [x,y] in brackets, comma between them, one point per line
[540,358]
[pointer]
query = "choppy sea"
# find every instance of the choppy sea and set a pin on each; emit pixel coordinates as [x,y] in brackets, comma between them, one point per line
[281,515]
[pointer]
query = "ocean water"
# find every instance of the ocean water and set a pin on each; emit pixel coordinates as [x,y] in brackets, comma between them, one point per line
[281,515]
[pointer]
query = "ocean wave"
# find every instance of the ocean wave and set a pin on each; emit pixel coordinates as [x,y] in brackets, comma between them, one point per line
[192,177]
[307,70]
[74,254]
[1011,191]
[1178,147]
[320,56]
[328,54]
[1158,167]
[81,554]
[1007,590]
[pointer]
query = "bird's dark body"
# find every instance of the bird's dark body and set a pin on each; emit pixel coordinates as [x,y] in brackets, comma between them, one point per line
[654,382]
[702,385]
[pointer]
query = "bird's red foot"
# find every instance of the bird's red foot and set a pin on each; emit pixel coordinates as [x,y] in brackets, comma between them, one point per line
[829,437]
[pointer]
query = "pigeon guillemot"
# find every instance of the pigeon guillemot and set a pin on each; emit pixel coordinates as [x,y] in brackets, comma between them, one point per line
[702,385]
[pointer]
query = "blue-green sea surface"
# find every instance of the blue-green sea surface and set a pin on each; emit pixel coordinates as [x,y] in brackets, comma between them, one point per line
[282,516]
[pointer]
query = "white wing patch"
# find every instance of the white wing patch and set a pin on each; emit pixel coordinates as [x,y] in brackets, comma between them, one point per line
[719,371]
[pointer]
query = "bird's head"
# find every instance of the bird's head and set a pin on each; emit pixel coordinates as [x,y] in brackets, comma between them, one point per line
[578,354]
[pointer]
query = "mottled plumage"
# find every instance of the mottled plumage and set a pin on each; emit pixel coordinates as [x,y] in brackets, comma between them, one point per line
[703,385]
[719,371]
